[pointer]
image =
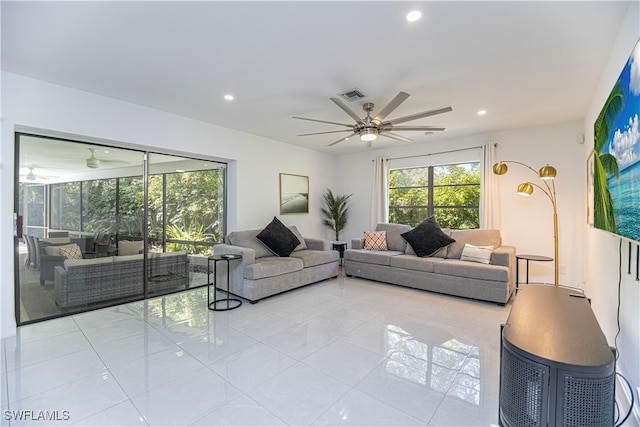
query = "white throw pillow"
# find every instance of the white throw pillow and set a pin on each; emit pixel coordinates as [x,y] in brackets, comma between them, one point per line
[474,253]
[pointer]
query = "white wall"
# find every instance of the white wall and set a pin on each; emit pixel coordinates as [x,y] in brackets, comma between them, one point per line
[527,222]
[603,254]
[255,162]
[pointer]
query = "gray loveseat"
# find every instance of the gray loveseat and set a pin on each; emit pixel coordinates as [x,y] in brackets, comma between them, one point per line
[443,272]
[261,274]
[85,281]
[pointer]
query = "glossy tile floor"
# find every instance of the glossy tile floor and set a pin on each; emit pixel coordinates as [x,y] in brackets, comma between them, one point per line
[341,352]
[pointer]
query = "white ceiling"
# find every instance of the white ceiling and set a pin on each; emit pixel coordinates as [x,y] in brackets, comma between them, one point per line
[526,63]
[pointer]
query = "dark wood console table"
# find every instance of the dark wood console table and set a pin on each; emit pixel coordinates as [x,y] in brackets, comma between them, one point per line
[556,368]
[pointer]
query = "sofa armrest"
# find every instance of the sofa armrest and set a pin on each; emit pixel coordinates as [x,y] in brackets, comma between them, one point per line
[318,244]
[357,244]
[504,256]
[236,267]
[248,254]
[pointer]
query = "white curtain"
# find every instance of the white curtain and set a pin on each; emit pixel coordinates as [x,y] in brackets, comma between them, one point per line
[489,189]
[380,192]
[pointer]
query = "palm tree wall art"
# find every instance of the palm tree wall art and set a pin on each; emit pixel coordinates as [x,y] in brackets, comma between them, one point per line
[616,155]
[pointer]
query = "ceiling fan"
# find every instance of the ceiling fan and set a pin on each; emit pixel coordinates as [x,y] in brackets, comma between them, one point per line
[93,162]
[31,176]
[369,128]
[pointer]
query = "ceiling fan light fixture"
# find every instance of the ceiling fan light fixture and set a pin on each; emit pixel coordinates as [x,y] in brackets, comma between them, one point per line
[368,134]
[414,16]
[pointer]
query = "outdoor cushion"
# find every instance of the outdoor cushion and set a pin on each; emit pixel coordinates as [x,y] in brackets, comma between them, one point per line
[85,262]
[272,266]
[71,252]
[126,247]
[278,238]
[310,257]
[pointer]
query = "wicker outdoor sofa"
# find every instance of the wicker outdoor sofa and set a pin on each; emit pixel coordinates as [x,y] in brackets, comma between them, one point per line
[86,281]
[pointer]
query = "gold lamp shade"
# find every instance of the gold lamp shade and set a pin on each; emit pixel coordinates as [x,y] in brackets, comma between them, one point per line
[500,168]
[547,172]
[525,189]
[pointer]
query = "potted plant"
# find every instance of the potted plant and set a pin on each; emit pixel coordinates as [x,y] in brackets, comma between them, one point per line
[335,211]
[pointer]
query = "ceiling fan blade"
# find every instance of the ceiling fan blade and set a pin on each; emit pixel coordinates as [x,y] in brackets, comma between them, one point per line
[392,105]
[396,137]
[322,133]
[418,116]
[347,110]
[322,121]
[340,140]
[415,128]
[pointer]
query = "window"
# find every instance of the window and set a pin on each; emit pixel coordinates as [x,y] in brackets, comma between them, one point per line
[451,193]
[112,203]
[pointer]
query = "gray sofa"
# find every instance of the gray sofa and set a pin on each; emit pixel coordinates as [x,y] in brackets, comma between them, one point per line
[85,281]
[260,274]
[443,272]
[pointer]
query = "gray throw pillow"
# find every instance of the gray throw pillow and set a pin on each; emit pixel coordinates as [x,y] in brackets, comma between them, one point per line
[427,238]
[278,238]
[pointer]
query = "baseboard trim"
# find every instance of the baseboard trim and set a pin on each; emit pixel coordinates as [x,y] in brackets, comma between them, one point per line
[624,400]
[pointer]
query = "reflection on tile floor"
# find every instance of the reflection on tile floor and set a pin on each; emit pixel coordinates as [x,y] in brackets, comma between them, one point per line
[340,352]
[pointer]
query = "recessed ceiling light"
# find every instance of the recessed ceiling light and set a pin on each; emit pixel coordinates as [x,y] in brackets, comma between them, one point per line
[481,112]
[414,15]
[180,170]
[228,97]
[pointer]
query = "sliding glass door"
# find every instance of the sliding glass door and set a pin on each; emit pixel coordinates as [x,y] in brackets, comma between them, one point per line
[105,225]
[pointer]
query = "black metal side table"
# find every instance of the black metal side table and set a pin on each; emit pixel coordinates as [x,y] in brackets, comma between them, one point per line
[213,305]
[528,258]
[340,247]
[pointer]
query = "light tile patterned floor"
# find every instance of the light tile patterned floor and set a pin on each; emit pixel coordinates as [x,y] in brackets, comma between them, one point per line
[341,352]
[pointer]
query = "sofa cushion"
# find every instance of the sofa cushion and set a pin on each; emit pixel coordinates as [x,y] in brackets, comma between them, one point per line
[126,247]
[395,242]
[278,238]
[472,253]
[471,270]
[370,257]
[412,262]
[303,244]
[311,258]
[248,239]
[427,238]
[477,237]
[375,240]
[272,266]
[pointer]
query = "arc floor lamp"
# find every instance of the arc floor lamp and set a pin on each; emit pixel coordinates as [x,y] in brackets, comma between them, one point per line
[547,174]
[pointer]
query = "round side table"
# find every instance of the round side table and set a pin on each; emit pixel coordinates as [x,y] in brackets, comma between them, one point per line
[231,303]
[528,258]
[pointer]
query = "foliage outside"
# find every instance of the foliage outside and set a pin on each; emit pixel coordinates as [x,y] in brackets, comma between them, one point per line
[456,195]
[194,208]
[335,211]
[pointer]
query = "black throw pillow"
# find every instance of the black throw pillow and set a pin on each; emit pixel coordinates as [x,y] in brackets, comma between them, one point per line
[427,238]
[278,238]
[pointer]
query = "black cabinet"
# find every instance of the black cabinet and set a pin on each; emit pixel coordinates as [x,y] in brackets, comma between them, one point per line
[556,368]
